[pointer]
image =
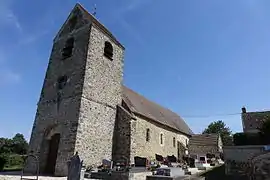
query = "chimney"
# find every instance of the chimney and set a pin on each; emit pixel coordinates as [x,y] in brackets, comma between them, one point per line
[244,110]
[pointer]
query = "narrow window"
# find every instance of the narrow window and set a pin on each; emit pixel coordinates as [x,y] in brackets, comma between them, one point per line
[62,81]
[108,50]
[161,138]
[147,134]
[67,50]
[174,142]
[186,143]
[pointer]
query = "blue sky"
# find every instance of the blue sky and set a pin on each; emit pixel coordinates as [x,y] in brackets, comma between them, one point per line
[198,58]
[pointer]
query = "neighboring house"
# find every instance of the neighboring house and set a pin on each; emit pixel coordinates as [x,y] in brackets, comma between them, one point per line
[252,121]
[202,144]
[84,107]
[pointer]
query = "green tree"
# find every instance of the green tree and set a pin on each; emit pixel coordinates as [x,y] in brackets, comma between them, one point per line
[19,144]
[16,145]
[265,131]
[5,146]
[219,127]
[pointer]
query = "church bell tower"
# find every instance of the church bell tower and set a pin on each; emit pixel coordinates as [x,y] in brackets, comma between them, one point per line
[82,87]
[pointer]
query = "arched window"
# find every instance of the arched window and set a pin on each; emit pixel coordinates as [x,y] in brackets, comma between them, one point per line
[147,134]
[161,138]
[108,50]
[62,81]
[173,141]
[67,50]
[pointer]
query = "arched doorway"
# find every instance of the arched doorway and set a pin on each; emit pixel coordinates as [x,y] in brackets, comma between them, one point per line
[52,154]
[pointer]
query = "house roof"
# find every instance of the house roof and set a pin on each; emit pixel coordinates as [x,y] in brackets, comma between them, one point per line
[203,144]
[254,120]
[204,140]
[142,106]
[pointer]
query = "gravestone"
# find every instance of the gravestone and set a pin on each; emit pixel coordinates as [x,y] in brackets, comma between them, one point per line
[75,168]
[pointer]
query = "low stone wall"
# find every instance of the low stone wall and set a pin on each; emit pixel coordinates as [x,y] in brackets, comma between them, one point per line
[122,175]
[253,161]
[241,153]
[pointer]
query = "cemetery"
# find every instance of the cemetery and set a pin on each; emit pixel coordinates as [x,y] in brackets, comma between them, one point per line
[152,170]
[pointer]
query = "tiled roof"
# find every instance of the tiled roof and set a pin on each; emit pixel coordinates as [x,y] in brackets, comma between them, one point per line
[203,144]
[204,139]
[140,105]
[254,120]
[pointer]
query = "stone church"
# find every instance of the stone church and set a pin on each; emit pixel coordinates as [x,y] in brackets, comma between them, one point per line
[84,106]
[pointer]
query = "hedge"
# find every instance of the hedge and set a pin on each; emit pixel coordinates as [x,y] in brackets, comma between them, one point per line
[249,139]
[2,163]
[10,161]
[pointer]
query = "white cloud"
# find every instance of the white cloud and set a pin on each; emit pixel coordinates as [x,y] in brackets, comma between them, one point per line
[120,13]
[32,38]
[7,76]
[133,5]
[7,16]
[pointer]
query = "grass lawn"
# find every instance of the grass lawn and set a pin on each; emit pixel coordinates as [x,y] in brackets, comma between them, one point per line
[13,168]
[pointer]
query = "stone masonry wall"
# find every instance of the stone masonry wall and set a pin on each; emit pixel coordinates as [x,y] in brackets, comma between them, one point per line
[63,113]
[101,94]
[122,135]
[149,149]
[133,141]
[252,161]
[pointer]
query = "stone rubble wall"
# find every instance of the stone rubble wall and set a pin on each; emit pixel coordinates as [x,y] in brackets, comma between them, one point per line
[252,161]
[102,92]
[150,148]
[122,135]
[55,116]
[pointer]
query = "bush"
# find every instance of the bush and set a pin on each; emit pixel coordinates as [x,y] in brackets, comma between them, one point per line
[3,161]
[15,160]
[11,161]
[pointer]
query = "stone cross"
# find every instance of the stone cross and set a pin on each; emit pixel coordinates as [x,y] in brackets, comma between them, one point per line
[74,168]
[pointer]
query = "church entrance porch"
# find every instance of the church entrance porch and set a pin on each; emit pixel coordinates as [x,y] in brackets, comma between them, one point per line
[52,154]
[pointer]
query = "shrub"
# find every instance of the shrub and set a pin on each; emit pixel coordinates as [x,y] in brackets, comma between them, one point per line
[11,161]
[248,139]
[3,161]
[15,160]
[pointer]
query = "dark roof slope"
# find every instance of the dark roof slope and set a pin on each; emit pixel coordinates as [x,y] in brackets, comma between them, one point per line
[254,120]
[203,144]
[204,140]
[140,105]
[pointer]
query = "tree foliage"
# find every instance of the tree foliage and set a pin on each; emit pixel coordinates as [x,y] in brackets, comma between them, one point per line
[16,145]
[242,139]
[265,132]
[265,128]
[219,127]
[11,151]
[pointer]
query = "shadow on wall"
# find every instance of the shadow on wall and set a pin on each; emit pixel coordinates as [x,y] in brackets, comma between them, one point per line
[122,135]
[218,173]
